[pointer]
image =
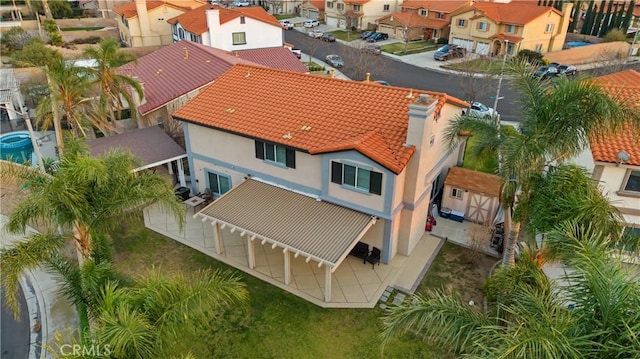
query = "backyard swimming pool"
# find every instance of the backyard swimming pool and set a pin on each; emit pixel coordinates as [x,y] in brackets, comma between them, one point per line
[577,44]
[16,147]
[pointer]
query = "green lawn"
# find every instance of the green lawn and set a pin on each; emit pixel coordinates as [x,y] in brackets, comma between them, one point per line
[346,35]
[277,324]
[479,162]
[284,16]
[88,28]
[413,47]
[493,66]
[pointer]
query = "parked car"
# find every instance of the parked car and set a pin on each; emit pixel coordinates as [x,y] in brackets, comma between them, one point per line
[327,36]
[449,51]
[334,60]
[311,23]
[378,36]
[568,70]
[366,34]
[286,24]
[297,52]
[478,109]
[241,3]
[315,33]
[373,49]
[546,72]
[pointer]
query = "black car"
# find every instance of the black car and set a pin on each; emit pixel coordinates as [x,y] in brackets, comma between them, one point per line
[366,34]
[567,70]
[378,36]
[448,51]
[546,72]
[327,36]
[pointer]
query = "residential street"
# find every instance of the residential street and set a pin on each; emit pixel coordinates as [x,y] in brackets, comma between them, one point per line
[15,334]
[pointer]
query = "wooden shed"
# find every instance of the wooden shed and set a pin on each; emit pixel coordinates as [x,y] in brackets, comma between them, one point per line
[476,194]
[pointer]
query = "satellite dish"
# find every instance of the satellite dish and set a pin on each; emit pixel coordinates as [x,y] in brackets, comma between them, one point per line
[623,156]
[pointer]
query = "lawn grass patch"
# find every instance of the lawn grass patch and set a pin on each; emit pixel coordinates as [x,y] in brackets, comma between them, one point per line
[277,324]
[284,16]
[398,48]
[482,162]
[81,28]
[486,66]
[346,35]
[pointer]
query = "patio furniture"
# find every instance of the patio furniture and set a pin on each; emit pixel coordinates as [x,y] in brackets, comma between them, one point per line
[361,250]
[193,202]
[207,195]
[374,257]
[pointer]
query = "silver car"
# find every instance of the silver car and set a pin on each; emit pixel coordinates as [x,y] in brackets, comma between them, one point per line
[335,61]
[315,33]
[478,109]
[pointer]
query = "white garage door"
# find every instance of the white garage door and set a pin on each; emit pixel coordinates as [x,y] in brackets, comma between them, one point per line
[467,44]
[313,15]
[332,21]
[482,48]
[386,29]
[479,209]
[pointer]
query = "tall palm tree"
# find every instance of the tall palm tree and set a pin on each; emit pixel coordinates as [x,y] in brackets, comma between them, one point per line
[114,87]
[556,121]
[88,195]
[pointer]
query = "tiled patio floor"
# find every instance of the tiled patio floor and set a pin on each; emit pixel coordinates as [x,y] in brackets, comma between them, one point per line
[353,284]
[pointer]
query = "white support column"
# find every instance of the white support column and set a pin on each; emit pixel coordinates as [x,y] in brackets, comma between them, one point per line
[251,253]
[217,237]
[327,283]
[181,179]
[287,266]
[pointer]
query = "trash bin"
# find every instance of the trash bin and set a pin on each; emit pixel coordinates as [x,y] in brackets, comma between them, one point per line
[445,212]
[182,193]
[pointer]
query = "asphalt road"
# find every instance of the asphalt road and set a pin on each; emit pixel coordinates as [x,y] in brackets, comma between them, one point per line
[405,75]
[14,335]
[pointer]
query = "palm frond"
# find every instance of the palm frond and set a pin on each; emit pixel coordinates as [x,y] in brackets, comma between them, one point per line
[128,332]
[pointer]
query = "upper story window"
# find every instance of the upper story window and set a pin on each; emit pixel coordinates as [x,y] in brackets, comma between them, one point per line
[357,177]
[357,8]
[440,15]
[511,29]
[340,6]
[239,38]
[549,28]
[423,12]
[125,21]
[242,19]
[386,7]
[181,33]
[330,4]
[631,183]
[276,154]
[174,29]
[462,23]
[483,26]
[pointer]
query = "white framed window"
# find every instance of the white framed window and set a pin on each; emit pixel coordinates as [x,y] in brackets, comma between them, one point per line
[218,183]
[339,6]
[538,48]
[456,193]
[423,12]
[549,28]
[511,29]
[357,177]
[631,182]
[462,23]
[357,8]
[483,26]
[385,7]
[440,15]
[181,34]
[239,38]
[330,4]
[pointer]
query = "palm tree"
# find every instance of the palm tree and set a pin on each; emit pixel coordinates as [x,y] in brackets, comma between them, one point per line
[532,318]
[556,122]
[114,87]
[88,195]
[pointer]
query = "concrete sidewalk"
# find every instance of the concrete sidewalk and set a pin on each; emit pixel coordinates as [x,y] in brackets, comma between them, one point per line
[49,312]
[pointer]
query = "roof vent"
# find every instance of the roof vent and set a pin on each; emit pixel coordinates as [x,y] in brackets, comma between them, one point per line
[230,110]
[410,95]
[623,157]
[287,136]
[186,53]
[158,72]
[248,74]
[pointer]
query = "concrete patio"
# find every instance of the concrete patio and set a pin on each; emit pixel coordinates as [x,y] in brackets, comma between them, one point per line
[354,284]
[466,234]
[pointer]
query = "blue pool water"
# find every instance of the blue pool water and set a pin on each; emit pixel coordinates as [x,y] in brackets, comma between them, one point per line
[16,147]
[577,44]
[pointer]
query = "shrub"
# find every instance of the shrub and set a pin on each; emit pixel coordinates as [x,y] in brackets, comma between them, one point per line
[442,41]
[615,35]
[15,38]
[34,53]
[532,57]
[315,67]
[87,40]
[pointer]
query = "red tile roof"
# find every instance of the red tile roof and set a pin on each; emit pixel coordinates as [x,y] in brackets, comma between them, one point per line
[128,10]
[195,21]
[624,85]
[177,69]
[311,113]
[279,58]
[356,2]
[414,20]
[439,6]
[513,13]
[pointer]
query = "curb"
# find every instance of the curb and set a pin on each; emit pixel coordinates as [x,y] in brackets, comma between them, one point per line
[35,306]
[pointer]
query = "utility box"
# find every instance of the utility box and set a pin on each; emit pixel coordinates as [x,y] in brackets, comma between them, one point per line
[182,193]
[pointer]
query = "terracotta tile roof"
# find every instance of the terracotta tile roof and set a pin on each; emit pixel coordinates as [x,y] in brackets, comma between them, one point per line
[195,21]
[356,2]
[508,37]
[177,69]
[311,113]
[636,10]
[513,13]
[415,20]
[255,12]
[128,10]
[474,181]
[439,6]
[279,58]
[318,4]
[624,85]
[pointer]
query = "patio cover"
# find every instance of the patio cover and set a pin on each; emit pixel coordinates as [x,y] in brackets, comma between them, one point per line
[151,145]
[302,224]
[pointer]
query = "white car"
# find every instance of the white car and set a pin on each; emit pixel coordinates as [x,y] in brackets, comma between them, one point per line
[315,33]
[479,110]
[286,24]
[241,3]
[311,23]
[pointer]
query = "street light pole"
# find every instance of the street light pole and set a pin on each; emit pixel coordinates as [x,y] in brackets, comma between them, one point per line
[32,135]
[496,119]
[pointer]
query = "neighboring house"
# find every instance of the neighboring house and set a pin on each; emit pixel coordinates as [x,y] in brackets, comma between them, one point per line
[144,22]
[102,8]
[421,20]
[280,6]
[490,28]
[229,29]
[174,74]
[11,99]
[358,14]
[313,9]
[475,194]
[614,160]
[313,165]
[634,24]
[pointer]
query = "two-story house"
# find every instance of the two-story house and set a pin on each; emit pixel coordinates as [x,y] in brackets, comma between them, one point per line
[357,14]
[491,28]
[314,172]
[421,20]
[229,29]
[614,160]
[313,9]
[144,22]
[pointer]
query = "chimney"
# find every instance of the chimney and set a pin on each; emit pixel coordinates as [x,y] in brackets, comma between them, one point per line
[213,24]
[421,119]
[143,20]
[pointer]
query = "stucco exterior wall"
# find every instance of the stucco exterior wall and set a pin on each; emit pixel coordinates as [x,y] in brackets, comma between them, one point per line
[612,179]
[258,34]
[535,33]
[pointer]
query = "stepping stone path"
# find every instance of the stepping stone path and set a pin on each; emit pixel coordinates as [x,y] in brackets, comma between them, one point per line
[392,294]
